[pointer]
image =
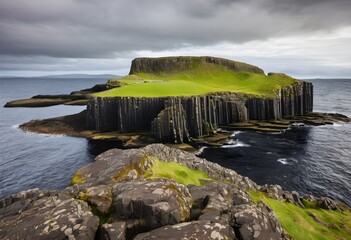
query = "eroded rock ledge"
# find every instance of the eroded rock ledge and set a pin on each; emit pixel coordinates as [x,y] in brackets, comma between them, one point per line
[113,198]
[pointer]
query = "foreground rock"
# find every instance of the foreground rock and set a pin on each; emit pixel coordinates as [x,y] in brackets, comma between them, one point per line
[42,215]
[115,198]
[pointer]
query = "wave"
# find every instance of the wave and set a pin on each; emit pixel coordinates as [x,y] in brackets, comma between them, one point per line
[287,161]
[235,143]
[201,150]
[235,133]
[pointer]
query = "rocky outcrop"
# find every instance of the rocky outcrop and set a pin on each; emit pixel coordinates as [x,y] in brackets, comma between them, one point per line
[36,214]
[159,208]
[112,198]
[176,119]
[172,64]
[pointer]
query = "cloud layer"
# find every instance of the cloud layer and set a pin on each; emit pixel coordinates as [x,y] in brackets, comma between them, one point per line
[62,30]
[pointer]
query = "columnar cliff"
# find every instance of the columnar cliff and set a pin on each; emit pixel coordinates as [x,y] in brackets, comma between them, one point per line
[176,119]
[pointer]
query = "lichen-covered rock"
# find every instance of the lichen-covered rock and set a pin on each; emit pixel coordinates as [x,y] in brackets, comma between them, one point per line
[114,165]
[154,203]
[216,198]
[273,191]
[327,203]
[19,202]
[255,222]
[196,230]
[214,171]
[100,196]
[112,231]
[53,217]
[117,165]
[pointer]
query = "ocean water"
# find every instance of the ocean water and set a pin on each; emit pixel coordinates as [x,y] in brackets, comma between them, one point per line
[313,160]
[29,160]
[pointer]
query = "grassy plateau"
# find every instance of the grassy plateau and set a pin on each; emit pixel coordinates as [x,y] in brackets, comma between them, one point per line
[199,79]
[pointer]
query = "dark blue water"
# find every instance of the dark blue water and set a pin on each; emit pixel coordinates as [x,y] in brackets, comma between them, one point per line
[30,160]
[313,160]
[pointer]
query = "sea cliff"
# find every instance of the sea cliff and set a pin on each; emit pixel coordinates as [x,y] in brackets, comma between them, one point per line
[178,118]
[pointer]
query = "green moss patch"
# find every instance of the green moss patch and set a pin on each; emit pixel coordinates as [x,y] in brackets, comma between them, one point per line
[310,222]
[175,171]
[198,80]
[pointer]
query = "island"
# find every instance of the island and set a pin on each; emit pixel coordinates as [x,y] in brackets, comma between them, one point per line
[184,100]
[158,191]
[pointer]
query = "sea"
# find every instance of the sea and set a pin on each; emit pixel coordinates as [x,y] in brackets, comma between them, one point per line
[310,160]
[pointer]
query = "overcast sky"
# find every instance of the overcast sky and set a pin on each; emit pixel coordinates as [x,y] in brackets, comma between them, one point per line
[303,38]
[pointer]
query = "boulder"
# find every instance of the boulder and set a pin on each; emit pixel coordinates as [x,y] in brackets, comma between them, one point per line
[154,203]
[327,203]
[99,196]
[196,230]
[50,217]
[112,231]
[252,221]
[273,191]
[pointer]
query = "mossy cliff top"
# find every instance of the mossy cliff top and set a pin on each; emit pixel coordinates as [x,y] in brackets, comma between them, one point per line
[191,76]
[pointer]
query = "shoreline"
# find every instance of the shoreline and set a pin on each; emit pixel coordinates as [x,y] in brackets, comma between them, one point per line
[75,126]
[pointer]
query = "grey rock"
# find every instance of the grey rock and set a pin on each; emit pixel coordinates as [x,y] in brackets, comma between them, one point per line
[255,222]
[196,230]
[154,203]
[327,203]
[112,231]
[100,196]
[273,191]
[53,217]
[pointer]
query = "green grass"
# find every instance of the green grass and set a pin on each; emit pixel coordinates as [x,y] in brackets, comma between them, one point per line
[201,79]
[175,171]
[298,223]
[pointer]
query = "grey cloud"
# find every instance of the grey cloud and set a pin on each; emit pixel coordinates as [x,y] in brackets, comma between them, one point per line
[106,29]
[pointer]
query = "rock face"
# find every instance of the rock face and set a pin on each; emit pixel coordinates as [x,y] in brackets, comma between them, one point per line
[171,64]
[175,119]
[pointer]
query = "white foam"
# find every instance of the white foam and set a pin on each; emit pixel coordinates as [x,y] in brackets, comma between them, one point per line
[15,126]
[283,161]
[235,133]
[337,125]
[287,161]
[235,143]
[201,150]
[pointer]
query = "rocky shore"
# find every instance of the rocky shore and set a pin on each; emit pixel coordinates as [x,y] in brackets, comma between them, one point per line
[120,196]
[75,125]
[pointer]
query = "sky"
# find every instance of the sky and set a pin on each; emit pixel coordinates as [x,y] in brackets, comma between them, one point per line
[303,38]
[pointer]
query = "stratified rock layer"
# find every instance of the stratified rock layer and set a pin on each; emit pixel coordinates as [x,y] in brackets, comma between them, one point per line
[175,119]
[172,64]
